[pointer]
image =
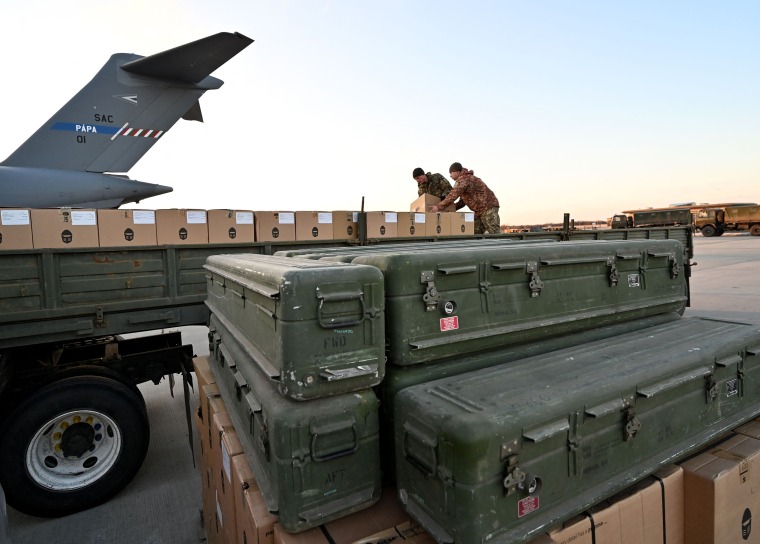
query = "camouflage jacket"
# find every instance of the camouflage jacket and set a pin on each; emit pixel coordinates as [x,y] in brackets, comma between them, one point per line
[473,192]
[436,185]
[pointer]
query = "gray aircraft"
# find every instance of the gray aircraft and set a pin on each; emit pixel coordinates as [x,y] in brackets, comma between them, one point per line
[79,157]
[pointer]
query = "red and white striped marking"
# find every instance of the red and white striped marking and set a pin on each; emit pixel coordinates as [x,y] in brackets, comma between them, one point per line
[126,130]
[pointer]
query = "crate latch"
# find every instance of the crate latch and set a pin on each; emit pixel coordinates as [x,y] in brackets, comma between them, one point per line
[518,480]
[632,424]
[535,282]
[431,296]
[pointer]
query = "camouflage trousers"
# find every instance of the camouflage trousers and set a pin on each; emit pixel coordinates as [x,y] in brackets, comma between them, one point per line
[488,222]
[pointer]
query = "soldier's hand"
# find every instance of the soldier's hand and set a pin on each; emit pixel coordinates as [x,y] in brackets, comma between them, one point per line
[434,209]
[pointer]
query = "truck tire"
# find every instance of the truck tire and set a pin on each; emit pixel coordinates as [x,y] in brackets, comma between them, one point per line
[708,230]
[754,230]
[72,445]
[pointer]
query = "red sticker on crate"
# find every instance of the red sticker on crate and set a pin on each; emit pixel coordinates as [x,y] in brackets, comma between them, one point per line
[449,323]
[526,506]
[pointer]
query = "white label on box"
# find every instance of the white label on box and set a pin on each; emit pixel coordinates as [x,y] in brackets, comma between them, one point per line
[419,217]
[244,218]
[287,218]
[355,217]
[391,217]
[14,217]
[196,217]
[79,217]
[226,462]
[469,217]
[324,218]
[144,217]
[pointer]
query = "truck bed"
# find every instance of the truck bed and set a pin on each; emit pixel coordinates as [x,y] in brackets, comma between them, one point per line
[63,295]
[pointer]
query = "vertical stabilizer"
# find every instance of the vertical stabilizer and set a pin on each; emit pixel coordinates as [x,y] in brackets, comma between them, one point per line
[127,107]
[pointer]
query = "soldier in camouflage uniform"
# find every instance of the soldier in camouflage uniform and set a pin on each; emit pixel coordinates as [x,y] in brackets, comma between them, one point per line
[433,184]
[475,195]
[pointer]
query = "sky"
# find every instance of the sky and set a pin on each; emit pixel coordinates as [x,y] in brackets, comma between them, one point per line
[582,106]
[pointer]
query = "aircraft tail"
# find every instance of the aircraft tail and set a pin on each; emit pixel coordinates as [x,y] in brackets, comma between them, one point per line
[127,107]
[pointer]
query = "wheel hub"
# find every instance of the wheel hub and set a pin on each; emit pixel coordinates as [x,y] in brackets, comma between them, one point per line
[77,439]
[73,450]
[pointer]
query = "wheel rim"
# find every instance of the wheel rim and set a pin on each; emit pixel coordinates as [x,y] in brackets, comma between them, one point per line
[73,450]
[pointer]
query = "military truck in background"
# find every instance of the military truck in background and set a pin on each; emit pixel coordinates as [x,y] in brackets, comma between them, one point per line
[73,424]
[742,218]
[710,220]
[652,218]
[716,221]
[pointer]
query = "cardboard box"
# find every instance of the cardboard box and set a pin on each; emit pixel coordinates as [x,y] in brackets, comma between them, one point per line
[211,522]
[380,517]
[426,201]
[411,224]
[275,226]
[64,227]
[751,428]
[638,515]
[254,521]
[314,226]
[221,463]
[438,224]
[211,403]
[203,374]
[177,226]
[408,532]
[721,492]
[462,223]
[312,536]
[230,227]
[118,228]
[219,425]
[345,225]
[15,229]
[382,224]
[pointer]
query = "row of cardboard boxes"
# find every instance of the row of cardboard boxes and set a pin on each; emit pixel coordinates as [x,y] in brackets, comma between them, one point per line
[708,499]
[66,227]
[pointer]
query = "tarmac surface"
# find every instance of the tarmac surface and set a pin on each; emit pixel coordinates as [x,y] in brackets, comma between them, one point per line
[162,504]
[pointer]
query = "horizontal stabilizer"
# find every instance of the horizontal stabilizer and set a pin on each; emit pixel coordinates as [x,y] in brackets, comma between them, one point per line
[192,62]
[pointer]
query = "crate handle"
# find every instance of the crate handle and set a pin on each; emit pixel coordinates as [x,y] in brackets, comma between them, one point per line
[427,467]
[340,297]
[331,428]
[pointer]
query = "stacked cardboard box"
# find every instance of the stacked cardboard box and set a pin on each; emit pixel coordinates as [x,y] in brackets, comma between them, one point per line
[721,489]
[314,226]
[345,225]
[382,224]
[117,228]
[650,512]
[230,227]
[427,201]
[64,227]
[15,229]
[411,224]
[275,226]
[178,226]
